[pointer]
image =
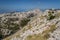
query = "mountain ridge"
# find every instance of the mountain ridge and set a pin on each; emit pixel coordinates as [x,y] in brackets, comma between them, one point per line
[40,27]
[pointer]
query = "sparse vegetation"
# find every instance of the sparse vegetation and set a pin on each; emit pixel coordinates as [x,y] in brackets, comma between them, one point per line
[24,22]
[1,36]
[31,15]
[44,36]
[10,25]
[50,16]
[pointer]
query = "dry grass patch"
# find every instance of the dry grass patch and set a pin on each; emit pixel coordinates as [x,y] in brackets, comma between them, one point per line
[44,36]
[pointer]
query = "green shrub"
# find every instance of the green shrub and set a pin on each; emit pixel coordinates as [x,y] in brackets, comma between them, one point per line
[50,16]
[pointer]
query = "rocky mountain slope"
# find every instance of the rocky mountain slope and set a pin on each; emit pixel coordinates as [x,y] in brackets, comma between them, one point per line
[44,26]
[14,21]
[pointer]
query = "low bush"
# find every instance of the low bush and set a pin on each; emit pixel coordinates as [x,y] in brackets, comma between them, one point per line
[50,16]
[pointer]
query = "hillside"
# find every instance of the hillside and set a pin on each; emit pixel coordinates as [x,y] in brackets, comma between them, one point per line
[44,26]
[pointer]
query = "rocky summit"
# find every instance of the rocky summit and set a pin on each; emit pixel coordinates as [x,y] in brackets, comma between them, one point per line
[31,25]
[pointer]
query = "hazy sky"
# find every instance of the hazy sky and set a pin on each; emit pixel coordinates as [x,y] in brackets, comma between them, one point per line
[9,5]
